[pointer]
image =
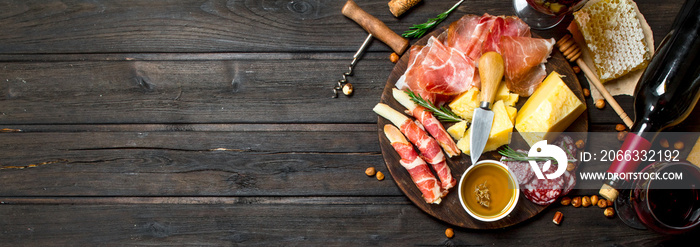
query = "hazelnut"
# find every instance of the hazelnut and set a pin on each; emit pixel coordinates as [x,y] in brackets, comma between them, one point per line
[370,171]
[585,201]
[394,57]
[576,69]
[620,127]
[565,201]
[679,145]
[664,143]
[580,144]
[347,89]
[586,92]
[609,212]
[621,135]
[600,103]
[602,203]
[449,233]
[570,166]
[594,200]
[557,217]
[576,202]
[380,176]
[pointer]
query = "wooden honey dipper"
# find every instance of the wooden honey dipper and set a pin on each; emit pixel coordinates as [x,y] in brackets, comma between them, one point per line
[572,52]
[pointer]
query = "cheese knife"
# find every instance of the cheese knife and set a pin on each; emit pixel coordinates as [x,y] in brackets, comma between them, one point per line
[491,68]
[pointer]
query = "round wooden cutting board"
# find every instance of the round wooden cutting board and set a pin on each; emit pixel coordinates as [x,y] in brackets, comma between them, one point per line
[450,210]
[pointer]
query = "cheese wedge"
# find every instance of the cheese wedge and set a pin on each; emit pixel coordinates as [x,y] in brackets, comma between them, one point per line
[501,129]
[464,104]
[510,99]
[457,130]
[549,110]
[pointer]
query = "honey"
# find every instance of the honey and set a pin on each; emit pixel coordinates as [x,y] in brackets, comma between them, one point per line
[491,178]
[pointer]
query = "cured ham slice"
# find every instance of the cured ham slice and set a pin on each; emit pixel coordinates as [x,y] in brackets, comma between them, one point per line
[419,171]
[524,58]
[429,149]
[460,32]
[409,79]
[514,26]
[479,35]
[437,70]
[474,35]
[429,122]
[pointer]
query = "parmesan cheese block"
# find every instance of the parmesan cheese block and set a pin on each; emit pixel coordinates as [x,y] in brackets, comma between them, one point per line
[614,37]
[501,129]
[550,109]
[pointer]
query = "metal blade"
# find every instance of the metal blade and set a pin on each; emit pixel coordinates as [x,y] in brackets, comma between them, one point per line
[481,127]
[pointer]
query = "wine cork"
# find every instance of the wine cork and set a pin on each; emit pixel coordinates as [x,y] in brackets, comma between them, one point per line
[608,192]
[398,7]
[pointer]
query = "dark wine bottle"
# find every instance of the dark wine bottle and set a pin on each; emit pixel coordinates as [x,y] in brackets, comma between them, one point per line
[666,93]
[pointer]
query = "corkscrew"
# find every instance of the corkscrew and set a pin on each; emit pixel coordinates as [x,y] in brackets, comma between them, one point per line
[376,29]
[343,84]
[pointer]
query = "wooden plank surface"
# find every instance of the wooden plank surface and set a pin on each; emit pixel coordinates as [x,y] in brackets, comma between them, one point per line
[210,123]
[75,26]
[326,221]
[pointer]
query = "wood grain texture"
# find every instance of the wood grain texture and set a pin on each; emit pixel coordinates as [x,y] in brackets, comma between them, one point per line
[249,161]
[101,26]
[209,122]
[283,88]
[328,222]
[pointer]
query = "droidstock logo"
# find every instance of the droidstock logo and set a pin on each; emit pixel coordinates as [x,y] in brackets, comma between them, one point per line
[542,149]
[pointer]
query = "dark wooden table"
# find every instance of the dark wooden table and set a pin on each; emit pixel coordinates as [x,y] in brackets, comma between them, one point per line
[211,122]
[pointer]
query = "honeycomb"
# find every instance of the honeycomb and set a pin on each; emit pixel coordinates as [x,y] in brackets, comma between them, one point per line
[614,37]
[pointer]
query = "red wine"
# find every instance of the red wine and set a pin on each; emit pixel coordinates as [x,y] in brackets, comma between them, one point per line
[667,91]
[553,7]
[669,206]
[675,207]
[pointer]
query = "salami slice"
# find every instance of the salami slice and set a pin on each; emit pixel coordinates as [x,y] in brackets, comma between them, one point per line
[522,171]
[543,191]
[568,145]
[569,182]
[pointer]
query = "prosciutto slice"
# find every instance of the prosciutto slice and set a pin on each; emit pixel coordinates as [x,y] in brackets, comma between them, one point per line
[524,58]
[429,149]
[419,171]
[459,33]
[428,120]
[430,152]
[436,69]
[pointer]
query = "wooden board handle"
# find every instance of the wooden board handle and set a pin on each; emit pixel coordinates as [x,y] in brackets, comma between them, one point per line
[491,72]
[375,27]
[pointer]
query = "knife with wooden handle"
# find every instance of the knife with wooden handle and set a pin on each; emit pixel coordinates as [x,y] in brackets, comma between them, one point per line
[491,71]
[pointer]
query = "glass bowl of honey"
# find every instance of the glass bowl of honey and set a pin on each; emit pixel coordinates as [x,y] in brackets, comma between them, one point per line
[488,191]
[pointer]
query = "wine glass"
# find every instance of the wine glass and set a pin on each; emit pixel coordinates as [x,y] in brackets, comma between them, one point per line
[669,206]
[545,14]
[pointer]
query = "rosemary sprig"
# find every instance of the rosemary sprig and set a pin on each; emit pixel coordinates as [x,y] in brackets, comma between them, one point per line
[513,155]
[442,113]
[418,30]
